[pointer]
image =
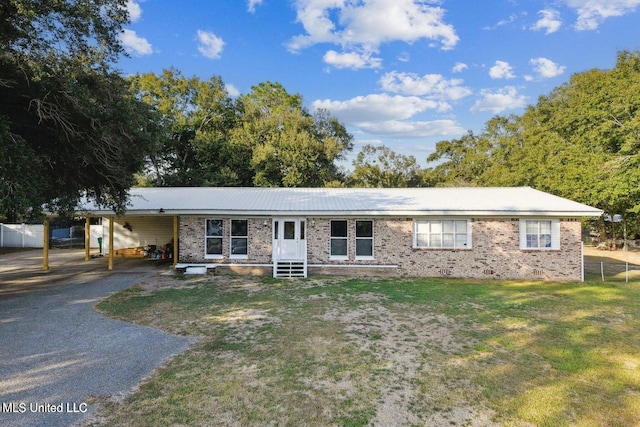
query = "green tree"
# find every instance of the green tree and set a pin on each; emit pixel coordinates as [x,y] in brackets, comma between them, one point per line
[193,144]
[380,167]
[67,121]
[580,141]
[462,161]
[289,147]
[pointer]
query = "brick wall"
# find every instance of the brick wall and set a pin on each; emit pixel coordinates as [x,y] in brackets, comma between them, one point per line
[192,241]
[495,252]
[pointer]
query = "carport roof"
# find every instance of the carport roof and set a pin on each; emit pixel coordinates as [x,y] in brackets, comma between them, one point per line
[496,201]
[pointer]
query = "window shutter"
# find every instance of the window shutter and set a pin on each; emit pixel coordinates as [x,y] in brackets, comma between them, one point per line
[523,234]
[555,234]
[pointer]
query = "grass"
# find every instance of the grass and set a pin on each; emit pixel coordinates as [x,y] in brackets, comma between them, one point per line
[388,351]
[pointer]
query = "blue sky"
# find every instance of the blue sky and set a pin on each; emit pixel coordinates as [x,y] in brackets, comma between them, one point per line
[404,73]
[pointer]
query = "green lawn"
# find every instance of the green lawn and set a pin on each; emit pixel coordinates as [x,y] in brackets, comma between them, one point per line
[388,352]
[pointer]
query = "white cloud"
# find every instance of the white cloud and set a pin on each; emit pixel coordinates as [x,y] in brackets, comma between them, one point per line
[134,10]
[550,21]
[251,5]
[409,129]
[591,13]
[433,86]
[512,18]
[232,90]
[376,107]
[497,102]
[210,45]
[459,67]
[387,115]
[134,44]
[546,68]
[501,70]
[404,57]
[351,60]
[362,26]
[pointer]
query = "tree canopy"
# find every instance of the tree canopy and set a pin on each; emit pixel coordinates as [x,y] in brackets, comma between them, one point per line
[68,123]
[379,166]
[581,142]
[264,138]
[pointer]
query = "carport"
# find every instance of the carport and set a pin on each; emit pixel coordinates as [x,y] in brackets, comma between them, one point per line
[146,224]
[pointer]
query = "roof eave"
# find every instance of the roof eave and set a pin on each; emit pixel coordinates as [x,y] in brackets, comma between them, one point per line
[334,213]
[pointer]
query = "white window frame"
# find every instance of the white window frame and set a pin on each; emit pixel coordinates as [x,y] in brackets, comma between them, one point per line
[207,237]
[364,257]
[428,222]
[345,238]
[554,229]
[232,237]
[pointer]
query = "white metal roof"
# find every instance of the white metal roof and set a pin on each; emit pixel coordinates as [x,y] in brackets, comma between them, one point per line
[478,201]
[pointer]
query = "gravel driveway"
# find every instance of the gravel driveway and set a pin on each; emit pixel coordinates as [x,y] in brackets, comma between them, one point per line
[56,352]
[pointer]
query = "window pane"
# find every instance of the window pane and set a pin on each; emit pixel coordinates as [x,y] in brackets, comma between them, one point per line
[422,227]
[435,241]
[364,228]
[214,227]
[302,230]
[461,226]
[275,229]
[532,240]
[461,240]
[289,230]
[447,226]
[545,227]
[447,240]
[435,226]
[338,228]
[364,247]
[532,227]
[422,240]
[239,227]
[545,240]
[214,246]
[339,247]
[239,246]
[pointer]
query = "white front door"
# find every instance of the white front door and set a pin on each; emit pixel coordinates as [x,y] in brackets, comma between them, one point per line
[289,239]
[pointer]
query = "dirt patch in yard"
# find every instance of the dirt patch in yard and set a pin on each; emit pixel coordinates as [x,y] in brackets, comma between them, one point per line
[409,344]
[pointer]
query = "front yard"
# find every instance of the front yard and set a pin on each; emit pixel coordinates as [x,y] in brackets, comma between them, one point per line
[387,352]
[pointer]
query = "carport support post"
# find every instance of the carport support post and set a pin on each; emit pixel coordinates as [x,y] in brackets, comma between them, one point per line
[87,239]
[110,243]
[45,252]
[175,239]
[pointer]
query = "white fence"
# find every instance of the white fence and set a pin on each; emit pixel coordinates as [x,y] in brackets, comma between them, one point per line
[21,235]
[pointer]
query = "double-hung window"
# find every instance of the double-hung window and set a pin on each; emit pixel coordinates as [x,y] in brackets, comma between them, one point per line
[442,234]
[540,234]
[213,238]
[339,246]
[239,238]
[364,239]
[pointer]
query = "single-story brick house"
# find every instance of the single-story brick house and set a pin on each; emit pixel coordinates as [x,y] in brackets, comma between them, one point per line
[506,233]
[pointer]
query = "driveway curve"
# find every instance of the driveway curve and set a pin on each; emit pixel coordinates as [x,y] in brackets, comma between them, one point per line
[56,352]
